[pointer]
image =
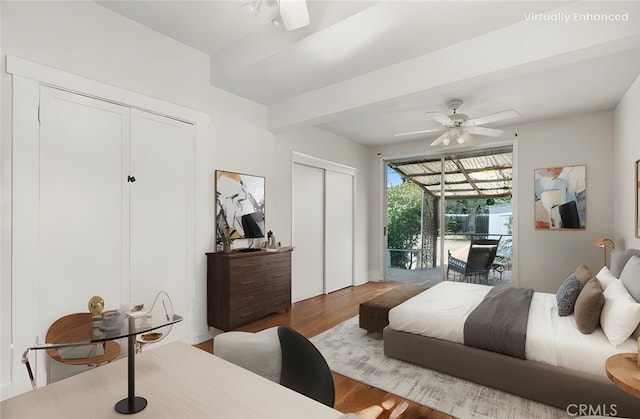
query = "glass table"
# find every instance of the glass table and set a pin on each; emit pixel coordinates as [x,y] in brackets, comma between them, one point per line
[86,329]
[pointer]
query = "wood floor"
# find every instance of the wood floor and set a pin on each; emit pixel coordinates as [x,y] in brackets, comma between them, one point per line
[315,315]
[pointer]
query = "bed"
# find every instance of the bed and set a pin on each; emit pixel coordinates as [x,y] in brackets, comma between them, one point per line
[559,366]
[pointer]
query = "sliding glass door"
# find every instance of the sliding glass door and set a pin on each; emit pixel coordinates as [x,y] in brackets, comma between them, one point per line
[437,205]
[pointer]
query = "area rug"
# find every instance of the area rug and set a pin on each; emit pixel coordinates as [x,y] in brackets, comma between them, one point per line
[353,352]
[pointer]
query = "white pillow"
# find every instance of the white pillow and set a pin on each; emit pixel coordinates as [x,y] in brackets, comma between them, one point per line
[605,277]
[620,315]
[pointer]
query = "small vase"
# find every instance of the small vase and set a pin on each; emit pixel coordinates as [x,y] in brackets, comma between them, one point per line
[226,247]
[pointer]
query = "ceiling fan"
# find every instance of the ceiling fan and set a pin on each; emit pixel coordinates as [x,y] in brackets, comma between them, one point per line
[458,127]
[292,13]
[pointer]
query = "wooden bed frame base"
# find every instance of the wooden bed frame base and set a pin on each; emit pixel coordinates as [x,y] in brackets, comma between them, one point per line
[559,387]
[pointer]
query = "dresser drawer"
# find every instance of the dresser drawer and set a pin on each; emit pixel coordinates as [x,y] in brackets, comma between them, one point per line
[277,299]
[243,300]
[277,291]
[277,261]
[251,281]
[280,276]
[243,266]
[245,315]
[243,287]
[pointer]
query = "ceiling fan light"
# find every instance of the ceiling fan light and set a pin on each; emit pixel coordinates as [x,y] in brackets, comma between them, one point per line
[254,6]
[446,141]
[460,140]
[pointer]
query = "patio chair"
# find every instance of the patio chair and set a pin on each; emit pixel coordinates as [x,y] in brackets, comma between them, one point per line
[502,261]
[479,261]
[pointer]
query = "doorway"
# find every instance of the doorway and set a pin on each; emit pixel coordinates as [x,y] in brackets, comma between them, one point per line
[435,207]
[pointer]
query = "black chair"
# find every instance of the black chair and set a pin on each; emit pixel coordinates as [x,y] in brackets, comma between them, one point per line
[482,253]
[304,369]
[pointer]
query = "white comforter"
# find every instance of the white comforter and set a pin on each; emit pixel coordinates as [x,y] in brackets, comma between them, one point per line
[441,311]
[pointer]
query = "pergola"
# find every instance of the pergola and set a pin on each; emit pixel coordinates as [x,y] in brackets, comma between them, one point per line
[487,175]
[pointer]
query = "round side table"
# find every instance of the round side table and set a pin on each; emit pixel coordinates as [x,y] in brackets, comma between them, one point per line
[623,370]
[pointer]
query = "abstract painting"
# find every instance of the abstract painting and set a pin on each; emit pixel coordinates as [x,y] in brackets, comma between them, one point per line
[560,197]
[239,205]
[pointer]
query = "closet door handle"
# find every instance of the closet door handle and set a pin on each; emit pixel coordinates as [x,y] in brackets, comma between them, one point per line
[131,179]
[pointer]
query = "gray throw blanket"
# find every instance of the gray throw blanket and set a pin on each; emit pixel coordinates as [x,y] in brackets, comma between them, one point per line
[499,322]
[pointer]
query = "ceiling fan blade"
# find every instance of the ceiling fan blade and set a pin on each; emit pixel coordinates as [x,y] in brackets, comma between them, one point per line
[294,14]
[440,138]
[440,117]
[494,117]
[402,134]
[487,132]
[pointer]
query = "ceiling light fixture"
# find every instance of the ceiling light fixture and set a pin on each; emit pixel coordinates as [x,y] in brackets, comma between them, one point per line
[254,6]
[293,13]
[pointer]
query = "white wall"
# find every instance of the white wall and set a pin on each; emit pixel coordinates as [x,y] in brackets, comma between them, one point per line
[544,258]
[88,40]
[626,152]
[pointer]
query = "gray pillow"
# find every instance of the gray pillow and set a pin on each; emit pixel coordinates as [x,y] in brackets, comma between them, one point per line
[630,277]
[589,306]
[567,295]
[619,259]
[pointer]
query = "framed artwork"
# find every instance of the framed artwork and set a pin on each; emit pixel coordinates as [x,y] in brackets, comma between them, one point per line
[560,197]
[239,205]
[637,183]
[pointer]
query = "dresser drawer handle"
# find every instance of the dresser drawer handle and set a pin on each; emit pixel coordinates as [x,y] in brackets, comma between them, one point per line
[247,298]
[247,282]
[248,314]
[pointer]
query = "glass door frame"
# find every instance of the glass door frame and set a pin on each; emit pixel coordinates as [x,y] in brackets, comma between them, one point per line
[443,155]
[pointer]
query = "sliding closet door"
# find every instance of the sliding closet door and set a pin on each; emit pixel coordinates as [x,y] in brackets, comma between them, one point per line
[307,265]
[82,189]
[161,149]
[338,230]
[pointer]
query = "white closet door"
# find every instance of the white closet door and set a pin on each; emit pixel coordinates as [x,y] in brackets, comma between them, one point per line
[307,264]
[161,149]
[338,230]
[82,185]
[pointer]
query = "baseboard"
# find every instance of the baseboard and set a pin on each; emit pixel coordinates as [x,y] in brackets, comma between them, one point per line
[204,337]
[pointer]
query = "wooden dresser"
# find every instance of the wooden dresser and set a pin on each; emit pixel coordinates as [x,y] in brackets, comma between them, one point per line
[245,286]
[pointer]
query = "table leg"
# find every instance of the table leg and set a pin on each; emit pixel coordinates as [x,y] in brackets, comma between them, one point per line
[131,404]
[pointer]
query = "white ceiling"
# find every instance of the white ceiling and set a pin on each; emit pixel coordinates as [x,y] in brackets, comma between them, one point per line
[368,70]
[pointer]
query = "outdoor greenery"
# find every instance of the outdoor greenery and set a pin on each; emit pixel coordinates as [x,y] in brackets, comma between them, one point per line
[452,226]
[473,206]
[404,204]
